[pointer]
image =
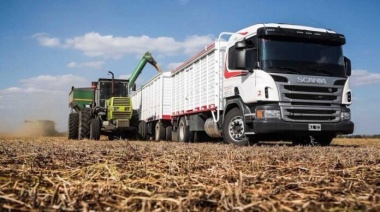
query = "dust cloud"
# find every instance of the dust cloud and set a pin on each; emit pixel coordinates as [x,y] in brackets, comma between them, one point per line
[34,128]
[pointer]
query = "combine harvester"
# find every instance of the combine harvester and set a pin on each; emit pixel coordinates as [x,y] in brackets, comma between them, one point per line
[268,82]
[105,108]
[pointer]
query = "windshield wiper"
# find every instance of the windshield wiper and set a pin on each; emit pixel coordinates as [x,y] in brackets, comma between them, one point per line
[324,72]
[288,70]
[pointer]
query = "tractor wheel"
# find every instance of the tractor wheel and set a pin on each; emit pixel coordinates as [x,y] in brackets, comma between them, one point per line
[73,126]
[234,128]
[134,122]
[95,129]
[168,133]
[159,132]
[143,130]
[84,123]
[184,134]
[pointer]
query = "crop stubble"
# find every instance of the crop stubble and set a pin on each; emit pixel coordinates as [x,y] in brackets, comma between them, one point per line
[54,173]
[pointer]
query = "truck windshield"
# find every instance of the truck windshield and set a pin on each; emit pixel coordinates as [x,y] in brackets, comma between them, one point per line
[295,57]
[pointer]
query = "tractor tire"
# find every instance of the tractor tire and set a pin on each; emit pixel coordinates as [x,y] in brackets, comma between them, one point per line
[95,129]
[72,133]
[159,132]
[168,133]
[184,134]
[84,123]
[234,128]
[134,122]
[143,130]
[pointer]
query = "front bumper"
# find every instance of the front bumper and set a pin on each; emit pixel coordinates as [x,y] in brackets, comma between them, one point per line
[267,126]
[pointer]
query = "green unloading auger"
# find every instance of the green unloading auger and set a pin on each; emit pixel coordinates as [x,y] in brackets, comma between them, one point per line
[147,58]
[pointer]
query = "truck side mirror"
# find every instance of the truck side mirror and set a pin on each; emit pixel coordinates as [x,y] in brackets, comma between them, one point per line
[347,64]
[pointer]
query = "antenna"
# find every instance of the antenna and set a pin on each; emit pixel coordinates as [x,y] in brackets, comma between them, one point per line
[318,23]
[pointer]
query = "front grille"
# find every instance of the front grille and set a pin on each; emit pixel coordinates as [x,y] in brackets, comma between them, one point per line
[302,102]
[310,89]
[121,115]
[124,101]
[310,97]
[310,114]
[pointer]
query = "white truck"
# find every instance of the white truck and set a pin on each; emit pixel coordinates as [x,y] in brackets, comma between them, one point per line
[268,82]
[152,102]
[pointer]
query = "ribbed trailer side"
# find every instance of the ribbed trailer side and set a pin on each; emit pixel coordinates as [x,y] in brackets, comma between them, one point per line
[197,83]
[136,101]
[153,99]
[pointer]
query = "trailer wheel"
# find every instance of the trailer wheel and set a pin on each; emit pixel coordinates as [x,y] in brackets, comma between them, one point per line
[143,130]
[168,133]
[73,126]
[84,123]
[95,129]
[234,128]
[159,132]
[323,140]
[184,134]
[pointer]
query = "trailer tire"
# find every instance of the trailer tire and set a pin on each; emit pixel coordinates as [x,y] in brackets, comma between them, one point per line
[168,133]
[184,134]
[234,128]
[72,133]
[95,129]
[143,130]
[84,123]
[159,132]
[323,140]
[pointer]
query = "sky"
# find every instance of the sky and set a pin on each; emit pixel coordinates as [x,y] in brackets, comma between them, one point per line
[48,46]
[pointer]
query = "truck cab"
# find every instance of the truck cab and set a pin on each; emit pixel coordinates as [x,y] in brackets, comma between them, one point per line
[289,82]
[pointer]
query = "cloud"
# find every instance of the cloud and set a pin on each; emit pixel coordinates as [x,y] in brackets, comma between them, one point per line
[93,44]
[92,64]
[364,77]
[45,40]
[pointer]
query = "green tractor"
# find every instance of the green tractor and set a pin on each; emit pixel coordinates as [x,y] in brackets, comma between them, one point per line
[106,108]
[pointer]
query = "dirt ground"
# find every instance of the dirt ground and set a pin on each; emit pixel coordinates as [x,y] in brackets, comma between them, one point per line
[58,174]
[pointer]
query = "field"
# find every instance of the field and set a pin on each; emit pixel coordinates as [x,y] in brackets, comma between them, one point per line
[57,174]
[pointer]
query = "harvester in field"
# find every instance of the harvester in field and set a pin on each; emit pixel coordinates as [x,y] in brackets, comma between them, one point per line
[105,108]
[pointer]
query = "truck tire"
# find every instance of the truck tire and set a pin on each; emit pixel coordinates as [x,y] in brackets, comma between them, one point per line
[143,130]
[168,133]
[323,140]
[234,128]
[95,129]
[184,134]
[72,133]
[159,132]
[84,123]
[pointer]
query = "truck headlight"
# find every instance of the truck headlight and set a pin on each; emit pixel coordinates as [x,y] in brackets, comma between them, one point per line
[268,114]
[116,109]
[346,116]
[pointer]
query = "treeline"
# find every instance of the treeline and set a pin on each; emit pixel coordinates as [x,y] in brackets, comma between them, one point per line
[359,136]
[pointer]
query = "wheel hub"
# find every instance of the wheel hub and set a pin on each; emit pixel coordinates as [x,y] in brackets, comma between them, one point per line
[236,128]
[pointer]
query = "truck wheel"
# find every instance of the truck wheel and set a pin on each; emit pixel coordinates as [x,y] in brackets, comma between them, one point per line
[301,141]
[95,129]
[159,132]
[84,123]
[323,140]
[184,134]
[234,128]
[168,133]
[110,137]
[143,130]
[73,126]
